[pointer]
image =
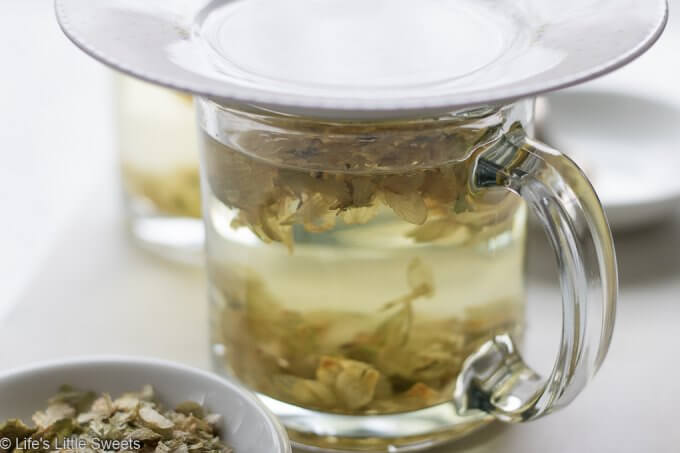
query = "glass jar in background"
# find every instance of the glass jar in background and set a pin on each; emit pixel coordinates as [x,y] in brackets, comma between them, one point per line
[159,168]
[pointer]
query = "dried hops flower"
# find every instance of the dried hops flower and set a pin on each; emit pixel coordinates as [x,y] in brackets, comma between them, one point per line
[85,421]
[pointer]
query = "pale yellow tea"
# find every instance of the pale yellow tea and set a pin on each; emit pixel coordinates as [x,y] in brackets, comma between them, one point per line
[352,268]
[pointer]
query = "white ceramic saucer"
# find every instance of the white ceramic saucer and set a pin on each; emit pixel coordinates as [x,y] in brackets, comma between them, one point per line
[364,58]
[246,424]
[627,145]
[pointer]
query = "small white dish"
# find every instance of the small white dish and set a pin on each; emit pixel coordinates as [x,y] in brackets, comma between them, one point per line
[626,144]
[246,425]
[364,58]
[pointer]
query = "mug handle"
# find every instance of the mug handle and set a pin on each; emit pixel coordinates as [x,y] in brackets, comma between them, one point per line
[495,379]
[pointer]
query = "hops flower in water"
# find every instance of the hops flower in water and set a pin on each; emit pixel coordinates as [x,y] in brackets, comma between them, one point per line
[363,210]
[392,361]
[405,167]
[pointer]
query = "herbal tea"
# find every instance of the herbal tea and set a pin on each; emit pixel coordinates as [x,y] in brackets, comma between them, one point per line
[158,149]
[355,278]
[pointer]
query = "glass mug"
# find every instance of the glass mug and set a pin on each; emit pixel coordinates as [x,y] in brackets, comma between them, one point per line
[158,152]
[367,277]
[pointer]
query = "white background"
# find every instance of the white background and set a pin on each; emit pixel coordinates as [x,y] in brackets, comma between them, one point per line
[71,284]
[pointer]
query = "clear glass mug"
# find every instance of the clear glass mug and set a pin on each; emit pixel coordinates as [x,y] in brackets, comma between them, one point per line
[158,152]
[367,278]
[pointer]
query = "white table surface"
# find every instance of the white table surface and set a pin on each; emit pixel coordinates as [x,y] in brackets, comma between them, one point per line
[72,284]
